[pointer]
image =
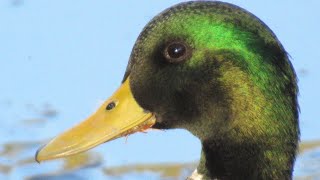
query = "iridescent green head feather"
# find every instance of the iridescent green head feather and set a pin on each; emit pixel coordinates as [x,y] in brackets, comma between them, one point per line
[235,88]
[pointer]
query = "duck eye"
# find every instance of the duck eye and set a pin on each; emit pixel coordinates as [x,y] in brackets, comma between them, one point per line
[111,106]
[175,52]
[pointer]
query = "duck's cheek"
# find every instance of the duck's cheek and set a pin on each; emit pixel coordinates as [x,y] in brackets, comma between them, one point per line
[147,95]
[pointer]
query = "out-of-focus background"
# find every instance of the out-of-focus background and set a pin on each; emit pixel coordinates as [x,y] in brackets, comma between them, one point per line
[60,59]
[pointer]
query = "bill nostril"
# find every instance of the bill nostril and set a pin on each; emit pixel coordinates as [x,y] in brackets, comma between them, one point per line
[110,106]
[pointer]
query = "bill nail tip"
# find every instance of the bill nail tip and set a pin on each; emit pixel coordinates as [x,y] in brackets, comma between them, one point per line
[37,153]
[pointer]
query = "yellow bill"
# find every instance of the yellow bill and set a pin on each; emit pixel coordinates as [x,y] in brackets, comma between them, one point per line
[119,116]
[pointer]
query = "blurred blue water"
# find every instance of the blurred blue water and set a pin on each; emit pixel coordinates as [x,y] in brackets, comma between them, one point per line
[308,164]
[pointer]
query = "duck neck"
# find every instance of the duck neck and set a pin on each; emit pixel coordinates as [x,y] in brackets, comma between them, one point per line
[227,160]
[251,133]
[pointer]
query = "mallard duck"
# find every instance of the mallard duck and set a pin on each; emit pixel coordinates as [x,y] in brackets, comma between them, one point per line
[213,69]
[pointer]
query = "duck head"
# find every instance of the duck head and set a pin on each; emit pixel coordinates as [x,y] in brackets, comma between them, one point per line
[215,70]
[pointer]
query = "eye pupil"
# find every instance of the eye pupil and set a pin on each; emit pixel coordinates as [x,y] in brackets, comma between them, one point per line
[111,106]
[176,50]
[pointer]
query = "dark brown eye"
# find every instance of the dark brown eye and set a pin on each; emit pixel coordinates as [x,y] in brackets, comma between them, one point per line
[175,52]
[111,106]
